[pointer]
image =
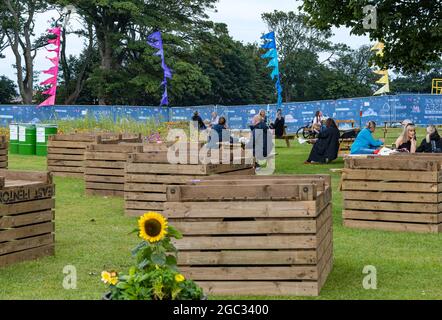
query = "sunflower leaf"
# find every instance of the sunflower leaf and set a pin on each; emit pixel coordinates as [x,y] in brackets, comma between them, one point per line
[140,246]
[159,258]
[174,232]
[171,260]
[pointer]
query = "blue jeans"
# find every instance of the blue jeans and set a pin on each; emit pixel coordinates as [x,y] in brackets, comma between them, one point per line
[365,150]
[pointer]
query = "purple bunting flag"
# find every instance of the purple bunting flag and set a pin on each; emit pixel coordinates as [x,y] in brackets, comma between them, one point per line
[156,41]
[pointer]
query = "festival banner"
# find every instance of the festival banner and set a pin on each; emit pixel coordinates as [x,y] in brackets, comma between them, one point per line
[54,41]
[272,54]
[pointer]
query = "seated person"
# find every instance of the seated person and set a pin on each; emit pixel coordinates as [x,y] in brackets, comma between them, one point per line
[219,134]
[432,142]
[317,121]
[407,139]
[326,146]
[364,142]
[279,124]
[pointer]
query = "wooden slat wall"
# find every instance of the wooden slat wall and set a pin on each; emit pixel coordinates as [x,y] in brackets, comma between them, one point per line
[266,245]
[3,152]
[26,216]
[394,193]
[149,173]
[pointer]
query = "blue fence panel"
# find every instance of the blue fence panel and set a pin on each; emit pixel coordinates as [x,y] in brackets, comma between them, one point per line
[422,109]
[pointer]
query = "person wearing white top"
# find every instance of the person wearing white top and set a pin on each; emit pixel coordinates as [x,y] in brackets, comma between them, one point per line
[215,119]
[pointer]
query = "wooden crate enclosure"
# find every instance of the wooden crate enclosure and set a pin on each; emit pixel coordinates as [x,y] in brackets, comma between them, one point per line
[3,152]
[148,174]
[66,151]
[26,216]
[394,193]
[254,235]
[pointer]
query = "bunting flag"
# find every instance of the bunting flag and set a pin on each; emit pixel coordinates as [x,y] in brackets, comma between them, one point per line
[379,48]
[156,41]
[272,54]
[53,71]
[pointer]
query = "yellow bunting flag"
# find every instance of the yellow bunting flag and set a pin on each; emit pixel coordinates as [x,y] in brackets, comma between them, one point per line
[379,48]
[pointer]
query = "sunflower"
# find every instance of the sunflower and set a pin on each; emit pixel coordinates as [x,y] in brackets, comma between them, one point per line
[109,277]
[179,278]
[153,226]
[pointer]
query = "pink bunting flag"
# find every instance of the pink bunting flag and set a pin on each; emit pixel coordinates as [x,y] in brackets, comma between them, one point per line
[53,71]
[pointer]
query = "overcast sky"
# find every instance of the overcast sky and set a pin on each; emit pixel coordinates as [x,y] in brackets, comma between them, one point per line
[243,18]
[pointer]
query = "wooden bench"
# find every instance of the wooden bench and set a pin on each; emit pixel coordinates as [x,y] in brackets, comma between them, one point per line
[287,137]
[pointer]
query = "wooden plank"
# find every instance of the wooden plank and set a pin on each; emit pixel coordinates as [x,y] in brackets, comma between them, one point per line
[246,227]
[390,175]
[109,179]
[68,144]
[138,213]
[241,209]
[137,187]
[73,137]
[309,177]
[26,219]
[25,207]
[10,195]
[24,244]
[70,157]
[392,206]
[31,254]
[26,175]
[243,182]
[65,151]
[232,192]
[392,226]
[159,178]
[105,156]
[391,196]
[166,168]
[392,216]
[66,163]
[105,164]
[116,148]
[251,273]
[247,242]
[145,196]
[105,186]
[101,171]
[256,257]
[26,231]
[389,186]
[265,288]
[384,163]
[144,205]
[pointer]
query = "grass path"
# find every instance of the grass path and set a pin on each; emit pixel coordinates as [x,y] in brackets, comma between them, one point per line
[92,234]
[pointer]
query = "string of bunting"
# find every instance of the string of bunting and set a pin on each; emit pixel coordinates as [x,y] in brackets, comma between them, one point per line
[155,40]
[379,48]
[272,54]
[54,39]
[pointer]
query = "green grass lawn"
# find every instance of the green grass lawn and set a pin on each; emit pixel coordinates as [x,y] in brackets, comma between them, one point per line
[92,234]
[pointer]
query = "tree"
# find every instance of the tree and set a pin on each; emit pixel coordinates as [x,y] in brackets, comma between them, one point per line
[417,82]
[411,30]
[7,90]
[299,46]
[17,26]
[121,28]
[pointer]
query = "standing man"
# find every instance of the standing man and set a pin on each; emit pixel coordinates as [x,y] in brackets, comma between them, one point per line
[279,124]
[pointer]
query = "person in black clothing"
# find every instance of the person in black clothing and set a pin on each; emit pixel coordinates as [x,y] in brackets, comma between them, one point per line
[326,146]
[279,124]
[432,142]
[219,134]
[196,118]
[261,140]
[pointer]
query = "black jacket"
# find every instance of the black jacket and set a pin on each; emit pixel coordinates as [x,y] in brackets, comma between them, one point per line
[201,125]
[435,145]
[278,125]
[326,147]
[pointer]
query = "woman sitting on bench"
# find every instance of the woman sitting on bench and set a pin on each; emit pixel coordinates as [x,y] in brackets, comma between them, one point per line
[326,147]
[364,142]
[407,140]
[432,142]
